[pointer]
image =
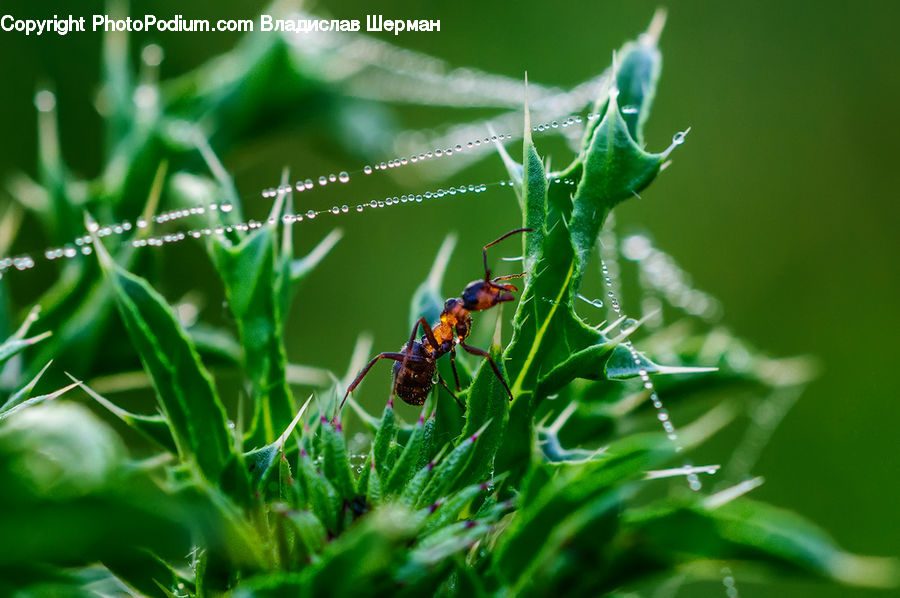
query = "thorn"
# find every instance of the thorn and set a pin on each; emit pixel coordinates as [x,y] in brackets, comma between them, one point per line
[283,438]
[654,30]
[480,430]
[729,494]
[528,139]
[497,339]
[38,338]
[613,326]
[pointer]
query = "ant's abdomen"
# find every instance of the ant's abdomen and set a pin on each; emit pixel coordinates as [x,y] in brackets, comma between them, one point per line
[413,381]
[413,394]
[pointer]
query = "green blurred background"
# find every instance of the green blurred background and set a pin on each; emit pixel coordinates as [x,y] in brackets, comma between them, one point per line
[782,203]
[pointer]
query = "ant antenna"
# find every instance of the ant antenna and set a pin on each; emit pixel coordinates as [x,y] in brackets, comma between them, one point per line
[487,271]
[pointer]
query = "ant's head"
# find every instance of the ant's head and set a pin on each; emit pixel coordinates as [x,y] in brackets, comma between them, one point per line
[485,294]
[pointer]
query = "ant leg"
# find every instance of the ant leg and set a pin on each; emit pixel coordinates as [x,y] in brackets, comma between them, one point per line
[365,370]
[429,334]
[487,272]
[486,355]
[453,365]
[452,394]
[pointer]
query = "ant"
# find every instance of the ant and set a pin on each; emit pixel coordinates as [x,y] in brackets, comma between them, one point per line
[415,364]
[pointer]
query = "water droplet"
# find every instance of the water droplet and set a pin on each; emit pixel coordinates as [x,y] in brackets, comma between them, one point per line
[308,183]
[345,209]
[359,208]
[343,177]
[45,100]
[335,210]
[311,214]
[226,207]
[678,138]
[323,180]
[629,110]
[593,302]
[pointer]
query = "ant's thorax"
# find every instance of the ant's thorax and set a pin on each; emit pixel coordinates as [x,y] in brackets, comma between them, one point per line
[452,328]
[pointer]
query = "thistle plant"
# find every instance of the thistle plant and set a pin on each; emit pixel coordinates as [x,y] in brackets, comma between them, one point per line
[566,488]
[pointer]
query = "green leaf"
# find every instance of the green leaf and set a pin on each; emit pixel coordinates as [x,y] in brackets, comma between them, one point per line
[360,561]
[184,388]
[17,342]
[384,436]
[68,497]
[589,363]
[487,412]
[448,510]
[404,468]
[534,200]
[621,365]
[374,488]
[336,465]
[262,462]
[552,494]
[614,169]
[153,427]
[449,469]
[248,272]
[743,529]
[323,499]
[413,490]
[309,529]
